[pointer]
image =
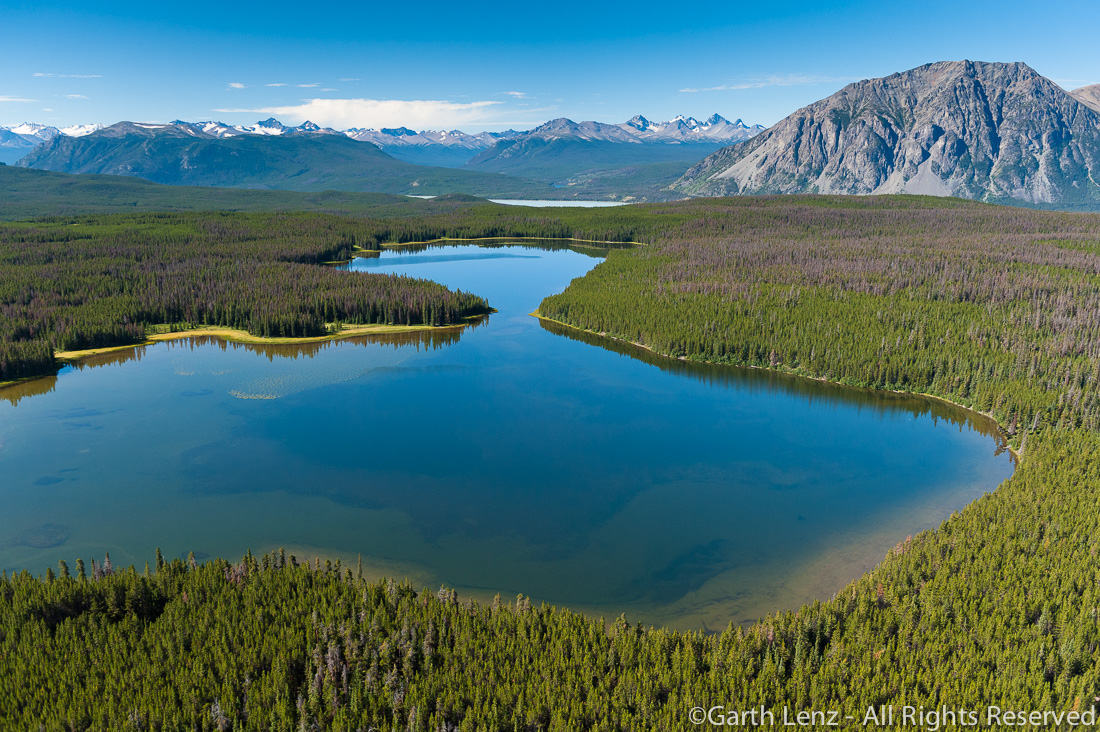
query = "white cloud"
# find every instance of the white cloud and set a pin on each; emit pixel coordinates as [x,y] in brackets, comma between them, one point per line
[328,90]
[346,80]
[276,84]
[75,96]
[16,99]
[308,86]
[517,95]
[1071,84]
[236,85]
[775,80]
[69,76]
[344,113]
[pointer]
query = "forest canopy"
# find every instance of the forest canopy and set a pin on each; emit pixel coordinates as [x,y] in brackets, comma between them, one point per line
[995,308]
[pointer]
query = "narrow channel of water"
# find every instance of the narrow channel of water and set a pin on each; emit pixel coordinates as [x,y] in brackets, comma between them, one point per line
[509,456]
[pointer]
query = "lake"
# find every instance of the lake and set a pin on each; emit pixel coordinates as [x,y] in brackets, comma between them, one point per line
[507,456]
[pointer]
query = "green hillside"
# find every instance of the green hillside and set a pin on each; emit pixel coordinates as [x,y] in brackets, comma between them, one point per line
[28,193]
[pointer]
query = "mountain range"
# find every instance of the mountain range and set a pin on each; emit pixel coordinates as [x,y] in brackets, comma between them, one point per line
[15,142]
[637,159]
[997,132]
[451,148]
[989,131]
[296,159]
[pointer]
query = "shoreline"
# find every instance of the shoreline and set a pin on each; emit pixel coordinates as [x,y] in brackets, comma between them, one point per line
[1017,454]
[235,335]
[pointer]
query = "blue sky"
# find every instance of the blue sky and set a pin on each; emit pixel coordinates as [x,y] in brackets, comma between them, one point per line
[476,66]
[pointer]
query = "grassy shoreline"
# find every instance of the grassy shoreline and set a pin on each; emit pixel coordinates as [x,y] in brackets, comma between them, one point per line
[235,335]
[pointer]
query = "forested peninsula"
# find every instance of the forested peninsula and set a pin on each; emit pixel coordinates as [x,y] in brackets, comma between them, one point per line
[994,308]
[96,282]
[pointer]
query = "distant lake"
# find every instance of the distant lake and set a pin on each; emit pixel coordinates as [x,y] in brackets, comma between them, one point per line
[557,204]
[546,203]
[509,456]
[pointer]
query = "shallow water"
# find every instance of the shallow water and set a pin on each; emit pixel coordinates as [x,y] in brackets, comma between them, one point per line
[508,456]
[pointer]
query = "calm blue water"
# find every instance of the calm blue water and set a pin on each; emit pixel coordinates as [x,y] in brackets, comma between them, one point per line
[506,457]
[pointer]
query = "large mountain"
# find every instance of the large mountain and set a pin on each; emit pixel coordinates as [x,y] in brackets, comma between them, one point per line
[300,159]
[989,131]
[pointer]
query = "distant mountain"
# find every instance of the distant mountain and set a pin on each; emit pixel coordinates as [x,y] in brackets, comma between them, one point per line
[640,130]
[989,131]
[688,129]
[430,147]
[279,158]
[1088,95]
[456,148]
[269,127]
[638,158]
[13,146]
[15,142]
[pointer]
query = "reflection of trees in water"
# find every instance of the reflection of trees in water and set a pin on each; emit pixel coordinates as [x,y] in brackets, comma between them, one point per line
[762,380]
[420,339]
[14,393]
[433,340]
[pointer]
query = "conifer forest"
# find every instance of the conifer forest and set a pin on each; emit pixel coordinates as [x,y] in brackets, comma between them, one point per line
[994,308]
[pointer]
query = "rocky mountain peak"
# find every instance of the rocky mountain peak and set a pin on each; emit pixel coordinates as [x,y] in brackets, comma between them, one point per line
[992,131]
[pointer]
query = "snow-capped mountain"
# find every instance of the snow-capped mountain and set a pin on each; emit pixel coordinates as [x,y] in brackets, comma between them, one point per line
[404,137]
[79,130]
[715,128]
[35,133]
[15,142]
[269,127]
[32,132]
[449,148]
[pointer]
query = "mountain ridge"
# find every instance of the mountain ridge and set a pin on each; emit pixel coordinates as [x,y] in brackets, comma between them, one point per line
[1088,95]
[448,148]
[184,154]
[986,131]
[560,158]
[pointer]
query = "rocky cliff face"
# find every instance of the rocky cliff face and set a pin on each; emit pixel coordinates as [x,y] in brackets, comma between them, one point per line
[989,131]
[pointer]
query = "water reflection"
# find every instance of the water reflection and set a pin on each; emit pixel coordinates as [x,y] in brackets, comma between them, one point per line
[881,403]
[15,393]
[497,457]
[433,340]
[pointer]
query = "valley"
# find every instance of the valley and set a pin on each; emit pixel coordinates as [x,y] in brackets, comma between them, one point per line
[449,368]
